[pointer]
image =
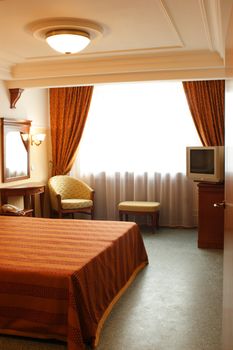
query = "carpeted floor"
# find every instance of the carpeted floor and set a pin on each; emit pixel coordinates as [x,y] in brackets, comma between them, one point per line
[175,303]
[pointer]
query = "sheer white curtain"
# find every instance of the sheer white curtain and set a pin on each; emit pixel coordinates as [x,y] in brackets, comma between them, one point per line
[133,148]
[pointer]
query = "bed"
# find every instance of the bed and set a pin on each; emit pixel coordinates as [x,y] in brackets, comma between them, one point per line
[60,278]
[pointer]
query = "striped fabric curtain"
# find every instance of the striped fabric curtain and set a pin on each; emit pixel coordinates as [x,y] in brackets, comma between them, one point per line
[206,104]
[69,108]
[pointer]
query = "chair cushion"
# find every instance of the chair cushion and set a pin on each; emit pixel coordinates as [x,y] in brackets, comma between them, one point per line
[76,203]
[139,206]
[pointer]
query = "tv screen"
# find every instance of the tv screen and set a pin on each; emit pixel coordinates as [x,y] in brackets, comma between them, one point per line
[205,163]
[202,161]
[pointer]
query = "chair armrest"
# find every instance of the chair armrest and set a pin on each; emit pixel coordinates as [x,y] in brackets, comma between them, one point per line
[92,195]
[84,191]
[53,197]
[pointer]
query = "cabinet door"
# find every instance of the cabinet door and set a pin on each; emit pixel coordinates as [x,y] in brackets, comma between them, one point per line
[210,218]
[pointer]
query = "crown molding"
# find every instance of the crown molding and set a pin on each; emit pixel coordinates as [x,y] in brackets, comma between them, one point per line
[5,73]
[184,65]
[212,23]
[218,29]
[80,66]
[117,64]
[171,23]
[188,74]
[206,24]
[6,63]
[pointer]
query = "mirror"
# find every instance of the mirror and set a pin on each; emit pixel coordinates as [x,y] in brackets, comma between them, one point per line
[15,149]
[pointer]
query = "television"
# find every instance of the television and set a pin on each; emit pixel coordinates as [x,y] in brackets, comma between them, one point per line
[205,163]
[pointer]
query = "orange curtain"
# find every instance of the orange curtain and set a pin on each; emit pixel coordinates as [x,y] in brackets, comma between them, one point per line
[206,104]
[68,113]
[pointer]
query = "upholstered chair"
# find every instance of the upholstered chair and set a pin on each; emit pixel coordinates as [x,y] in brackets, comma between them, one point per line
[70,195]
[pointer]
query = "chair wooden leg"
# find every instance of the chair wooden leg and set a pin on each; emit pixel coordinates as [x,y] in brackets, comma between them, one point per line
[157,221]
[153,221]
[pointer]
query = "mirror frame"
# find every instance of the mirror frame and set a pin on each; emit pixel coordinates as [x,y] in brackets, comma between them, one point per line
[14,125]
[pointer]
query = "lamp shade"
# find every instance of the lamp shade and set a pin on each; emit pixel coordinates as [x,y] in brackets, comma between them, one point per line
[37,139]
[67,41]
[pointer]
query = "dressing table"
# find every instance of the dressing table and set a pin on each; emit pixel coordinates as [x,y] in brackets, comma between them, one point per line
[28,190]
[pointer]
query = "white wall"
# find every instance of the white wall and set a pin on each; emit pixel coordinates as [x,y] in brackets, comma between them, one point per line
[32,105]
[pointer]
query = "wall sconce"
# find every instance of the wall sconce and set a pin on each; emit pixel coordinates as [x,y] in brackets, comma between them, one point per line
[37,139]
[24,136]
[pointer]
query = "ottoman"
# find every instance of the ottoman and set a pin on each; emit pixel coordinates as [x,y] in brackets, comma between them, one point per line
[140,208]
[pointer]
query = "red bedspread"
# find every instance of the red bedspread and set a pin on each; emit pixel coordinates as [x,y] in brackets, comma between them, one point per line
[59,278]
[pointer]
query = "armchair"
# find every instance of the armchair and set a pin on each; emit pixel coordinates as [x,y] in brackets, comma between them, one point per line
[70,195]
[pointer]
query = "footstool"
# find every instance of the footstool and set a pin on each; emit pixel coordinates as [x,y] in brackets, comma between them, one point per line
[140,208]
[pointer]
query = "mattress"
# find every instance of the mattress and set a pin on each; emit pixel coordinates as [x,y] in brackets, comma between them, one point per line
[60,278]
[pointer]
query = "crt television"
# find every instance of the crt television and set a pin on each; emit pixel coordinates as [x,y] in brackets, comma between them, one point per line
[205,163]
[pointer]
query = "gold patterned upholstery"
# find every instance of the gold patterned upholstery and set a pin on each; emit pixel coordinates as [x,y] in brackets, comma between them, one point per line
[140,208]
[70,195]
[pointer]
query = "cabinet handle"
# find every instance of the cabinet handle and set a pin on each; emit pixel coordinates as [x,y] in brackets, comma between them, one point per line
[220,205]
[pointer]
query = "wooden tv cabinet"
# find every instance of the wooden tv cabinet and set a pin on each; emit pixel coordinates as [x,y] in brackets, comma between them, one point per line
[210,218]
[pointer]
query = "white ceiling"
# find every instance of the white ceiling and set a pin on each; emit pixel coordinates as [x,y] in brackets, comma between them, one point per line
[141,39]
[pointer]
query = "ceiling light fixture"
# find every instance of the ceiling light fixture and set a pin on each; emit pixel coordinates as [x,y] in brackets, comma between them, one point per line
[67,41]
[65,34]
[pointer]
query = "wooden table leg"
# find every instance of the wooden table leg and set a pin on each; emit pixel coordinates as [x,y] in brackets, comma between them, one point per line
[27,201]
[33,205]
[42,204]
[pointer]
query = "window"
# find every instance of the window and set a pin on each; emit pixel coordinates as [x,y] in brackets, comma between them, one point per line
[134,148]
[137,127]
